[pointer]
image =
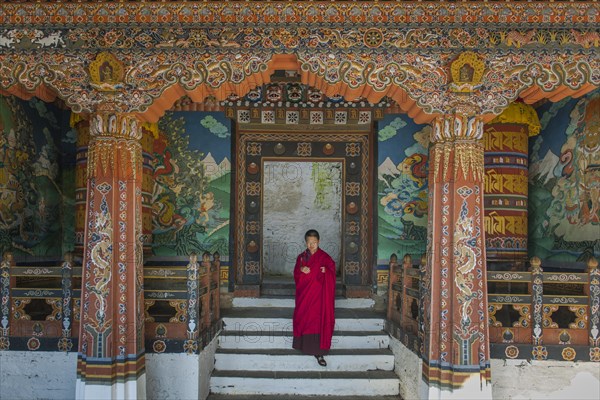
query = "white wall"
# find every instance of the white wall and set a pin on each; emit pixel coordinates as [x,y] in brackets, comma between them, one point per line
[547,380]
[513,379]
[52,375]
[408,367]
[180,376]
[37,374]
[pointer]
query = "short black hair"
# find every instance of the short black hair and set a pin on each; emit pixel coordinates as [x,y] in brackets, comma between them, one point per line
[311,233]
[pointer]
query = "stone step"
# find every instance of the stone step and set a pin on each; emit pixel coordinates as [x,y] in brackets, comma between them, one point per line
[275,319]
[274,324]
[314,383]
[283,340]
[288,288]
[289,302]
[287,291]
[293,397]
[293,360]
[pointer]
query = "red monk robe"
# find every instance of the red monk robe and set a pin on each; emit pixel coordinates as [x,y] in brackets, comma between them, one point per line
[315,295]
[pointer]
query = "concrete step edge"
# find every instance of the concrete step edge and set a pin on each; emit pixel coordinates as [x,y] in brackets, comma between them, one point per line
[293,352]
[354,375]
[289,333]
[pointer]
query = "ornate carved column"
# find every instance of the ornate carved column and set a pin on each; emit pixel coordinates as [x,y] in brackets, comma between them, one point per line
[506,140]
[111,338]
[456,361]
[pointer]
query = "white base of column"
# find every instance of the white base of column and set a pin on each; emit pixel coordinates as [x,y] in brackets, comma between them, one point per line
[473,389]
[133,389]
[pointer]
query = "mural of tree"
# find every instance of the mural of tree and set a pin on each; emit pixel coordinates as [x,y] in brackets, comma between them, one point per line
[191,192]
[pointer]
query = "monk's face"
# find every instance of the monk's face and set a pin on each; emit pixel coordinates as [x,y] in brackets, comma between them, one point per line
[312,244]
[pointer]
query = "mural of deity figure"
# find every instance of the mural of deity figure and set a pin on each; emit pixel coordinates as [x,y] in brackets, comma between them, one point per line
[575,209]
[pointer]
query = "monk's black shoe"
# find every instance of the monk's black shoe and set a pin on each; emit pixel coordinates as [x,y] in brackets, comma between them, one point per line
[321,361]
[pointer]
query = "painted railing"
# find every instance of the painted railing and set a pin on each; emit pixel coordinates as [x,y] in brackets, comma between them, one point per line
[182,305]
[40,304]
[543,315]
[404,313]
[533,314]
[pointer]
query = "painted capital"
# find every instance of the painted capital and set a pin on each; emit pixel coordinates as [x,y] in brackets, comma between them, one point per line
[459,126]
[457,147]
[117,125]
[115,146]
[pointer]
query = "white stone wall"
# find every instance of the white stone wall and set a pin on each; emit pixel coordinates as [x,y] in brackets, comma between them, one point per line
[512,379]
[408,368]
[547,380]
[293,205]
[180,376]
[207,365]
[37,375]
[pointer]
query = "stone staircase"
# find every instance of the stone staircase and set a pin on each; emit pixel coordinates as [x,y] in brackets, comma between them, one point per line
[255,359]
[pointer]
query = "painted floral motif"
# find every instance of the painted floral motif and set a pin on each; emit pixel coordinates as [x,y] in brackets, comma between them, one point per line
[33,344]
[159,346]
[511,352]
[568,354]
[539,353]
[304,149]
[594,353]
[252,268]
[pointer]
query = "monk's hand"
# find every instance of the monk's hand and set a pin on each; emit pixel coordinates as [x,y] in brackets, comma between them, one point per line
[305,269]
[323,269]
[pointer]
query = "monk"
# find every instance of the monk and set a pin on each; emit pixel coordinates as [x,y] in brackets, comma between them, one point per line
[314,318]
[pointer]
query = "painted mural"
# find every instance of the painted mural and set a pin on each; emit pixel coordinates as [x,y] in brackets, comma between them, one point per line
[402,187]
[564,181]
[191,193]
[37,178]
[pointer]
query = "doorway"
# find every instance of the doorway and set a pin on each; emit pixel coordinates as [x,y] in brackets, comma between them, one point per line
[300,195]
[290,181]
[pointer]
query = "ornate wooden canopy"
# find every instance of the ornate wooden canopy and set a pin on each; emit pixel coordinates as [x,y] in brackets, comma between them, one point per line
[432,58]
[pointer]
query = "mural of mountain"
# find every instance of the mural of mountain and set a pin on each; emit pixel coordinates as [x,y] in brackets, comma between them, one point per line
[544,169]
[212,170]
[225,166]
[387,167]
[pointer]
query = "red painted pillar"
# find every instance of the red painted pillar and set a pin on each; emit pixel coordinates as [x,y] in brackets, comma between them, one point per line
[456,361]
[111,339]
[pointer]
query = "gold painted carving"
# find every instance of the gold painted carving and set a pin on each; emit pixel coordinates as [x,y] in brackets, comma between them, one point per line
[494,140]
[547,312]
[106,72]
[115,146]
[467,71]
[524,316]
[495,224]
[520,113]
[180,307]
[469,159]
[581,318]
[104,153]
[457,137]
[147,305]
[492,310]
[505,183]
